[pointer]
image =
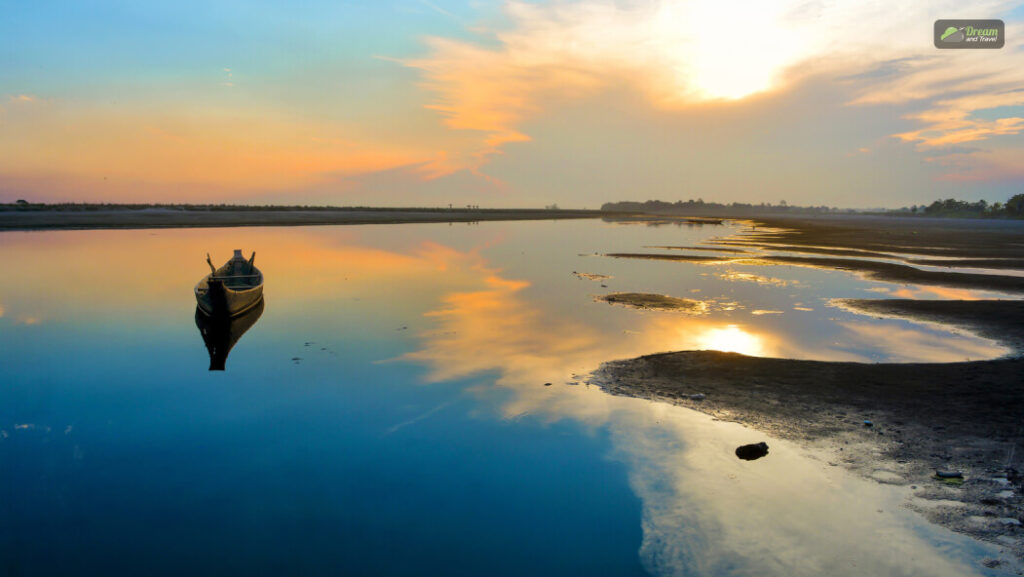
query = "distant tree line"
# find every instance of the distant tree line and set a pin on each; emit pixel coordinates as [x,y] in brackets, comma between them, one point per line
[699,206]
[1012,208]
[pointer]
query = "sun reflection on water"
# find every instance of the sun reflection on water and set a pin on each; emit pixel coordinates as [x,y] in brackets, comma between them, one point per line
[732,339]
[680,462]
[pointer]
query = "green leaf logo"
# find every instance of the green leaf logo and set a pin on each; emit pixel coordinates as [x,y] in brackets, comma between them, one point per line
[949,32]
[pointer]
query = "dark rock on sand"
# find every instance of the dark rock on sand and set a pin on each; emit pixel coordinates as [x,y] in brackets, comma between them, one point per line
[752,452]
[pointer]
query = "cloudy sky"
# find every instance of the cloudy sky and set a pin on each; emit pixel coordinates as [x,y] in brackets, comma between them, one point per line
[430,102]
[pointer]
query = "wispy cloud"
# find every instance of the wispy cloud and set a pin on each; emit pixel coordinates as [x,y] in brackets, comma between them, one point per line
[681,53]
[440,10]
[950,122]
[23,99]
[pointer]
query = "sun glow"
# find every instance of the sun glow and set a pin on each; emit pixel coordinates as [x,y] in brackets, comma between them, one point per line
[731,339]
[717,55]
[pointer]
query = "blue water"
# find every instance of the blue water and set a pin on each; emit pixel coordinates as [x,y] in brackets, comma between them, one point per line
[388,414]
[139,461]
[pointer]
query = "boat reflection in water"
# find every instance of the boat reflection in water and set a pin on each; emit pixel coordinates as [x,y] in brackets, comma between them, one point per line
[220,332]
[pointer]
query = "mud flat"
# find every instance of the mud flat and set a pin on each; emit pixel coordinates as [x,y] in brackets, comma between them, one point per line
[894,423]
[938,237]
[654,302]
[982,244]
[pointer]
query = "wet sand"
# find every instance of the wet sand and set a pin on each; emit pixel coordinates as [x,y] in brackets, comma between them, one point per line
[965,417]
[644,301]
[940,237]
[168,218]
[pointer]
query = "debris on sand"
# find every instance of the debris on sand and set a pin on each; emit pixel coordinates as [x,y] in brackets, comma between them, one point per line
[592,276]
[752,452]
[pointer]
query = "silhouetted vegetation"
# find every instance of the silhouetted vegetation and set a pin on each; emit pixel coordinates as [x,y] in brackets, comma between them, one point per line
[951,208]
[699,207]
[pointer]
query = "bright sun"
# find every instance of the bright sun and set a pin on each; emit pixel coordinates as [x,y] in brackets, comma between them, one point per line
[722,51]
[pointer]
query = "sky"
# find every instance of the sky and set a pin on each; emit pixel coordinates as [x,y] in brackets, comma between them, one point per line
[505,104]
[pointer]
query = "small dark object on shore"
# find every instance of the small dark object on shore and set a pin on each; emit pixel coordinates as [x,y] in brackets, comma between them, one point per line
[868,424]
[697,397]
[547,384]
[949,474]
[752,452]
[1013,476]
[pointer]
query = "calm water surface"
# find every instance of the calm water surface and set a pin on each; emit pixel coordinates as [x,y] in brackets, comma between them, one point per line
[388,414]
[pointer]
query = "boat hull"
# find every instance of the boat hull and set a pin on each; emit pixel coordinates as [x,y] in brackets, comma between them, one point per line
[219,300]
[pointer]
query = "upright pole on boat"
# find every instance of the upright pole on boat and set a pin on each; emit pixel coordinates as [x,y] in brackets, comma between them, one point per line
[213,269]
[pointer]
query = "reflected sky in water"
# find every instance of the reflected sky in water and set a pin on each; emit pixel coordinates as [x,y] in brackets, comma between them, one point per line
[389,415]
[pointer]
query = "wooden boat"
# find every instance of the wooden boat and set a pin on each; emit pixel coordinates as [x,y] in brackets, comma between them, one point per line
[232,289]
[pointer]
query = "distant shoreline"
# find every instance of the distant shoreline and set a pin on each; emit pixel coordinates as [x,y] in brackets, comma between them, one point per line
[121,218]
[72,216]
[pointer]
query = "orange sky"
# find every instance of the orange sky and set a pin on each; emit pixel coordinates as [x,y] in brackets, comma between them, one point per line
[511,103]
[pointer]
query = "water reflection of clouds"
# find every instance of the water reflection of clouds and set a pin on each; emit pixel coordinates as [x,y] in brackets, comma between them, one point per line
[155,272]
[496,329]
[707,513]
[23,319]
[930,292]
[733,275]
[904,344]
[704,511]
